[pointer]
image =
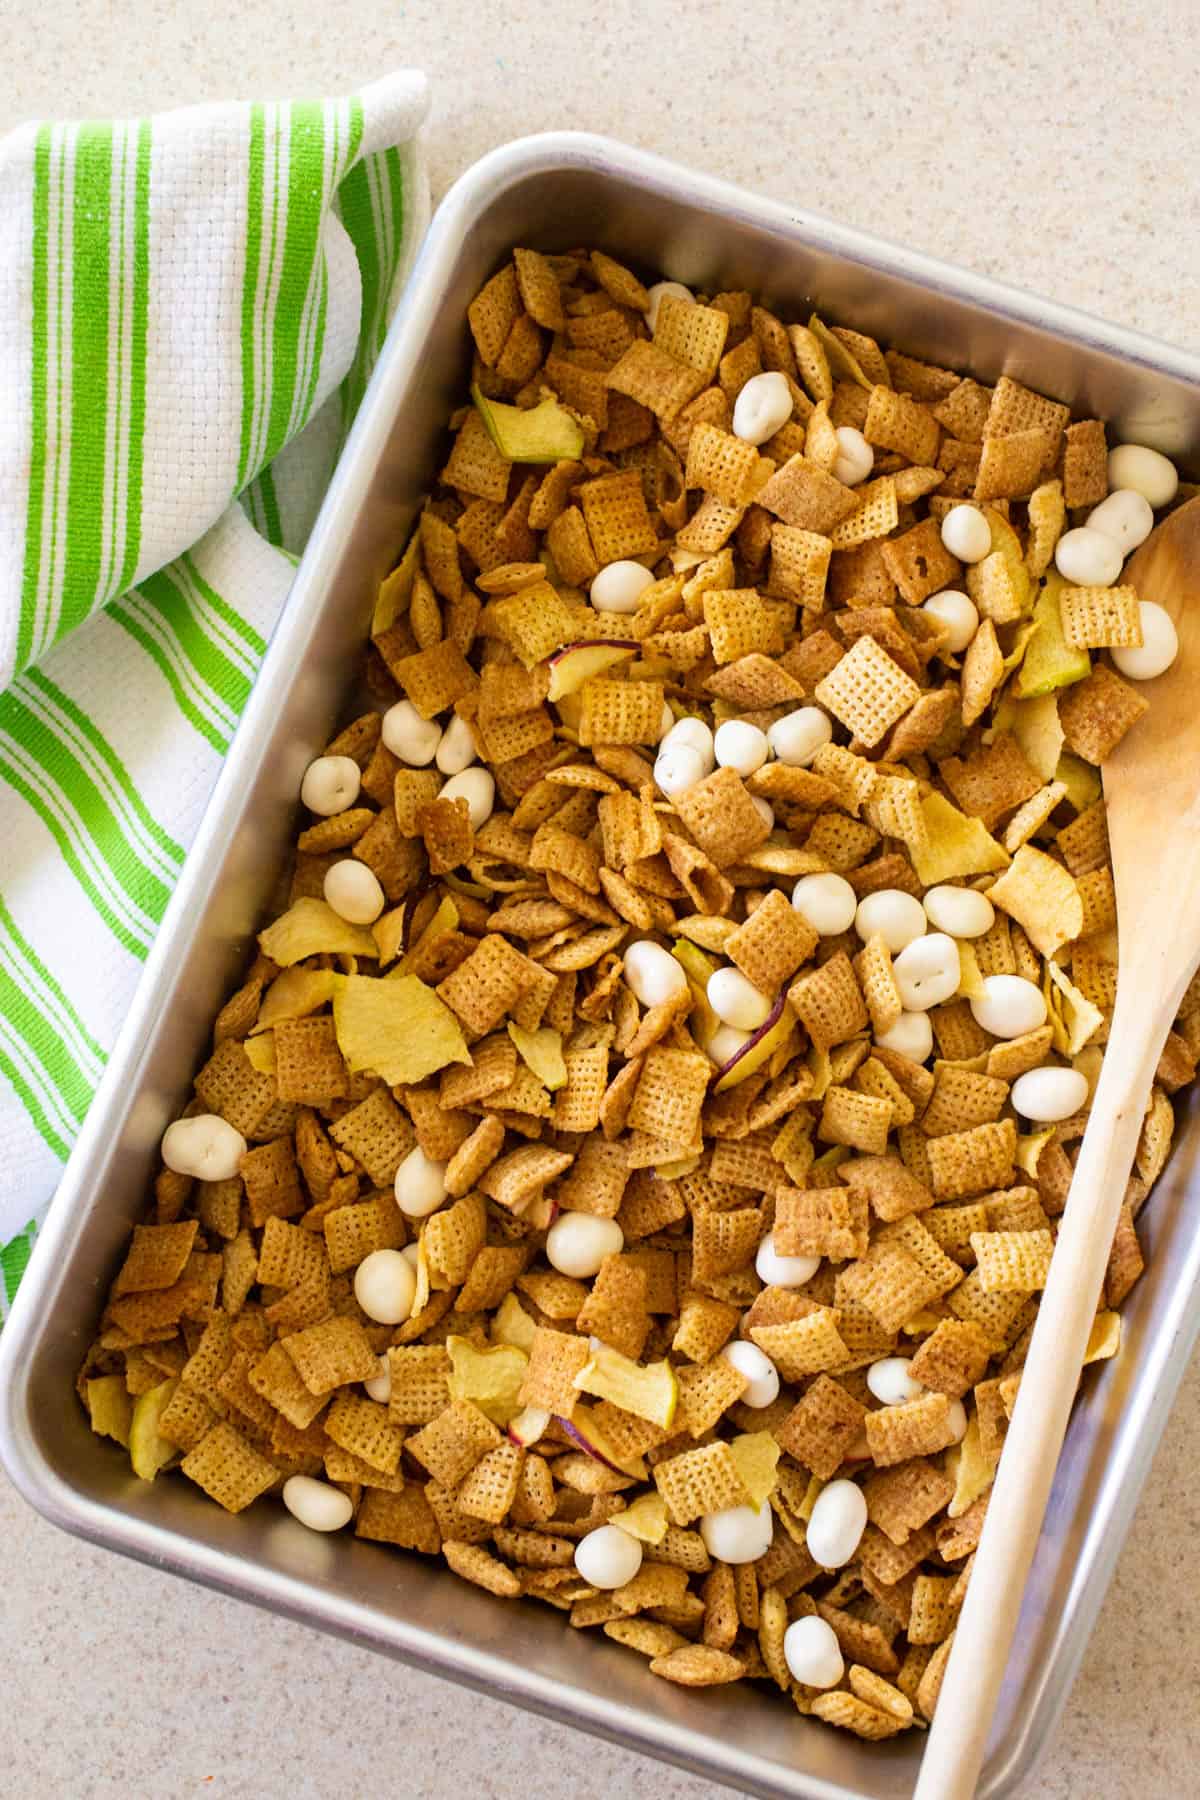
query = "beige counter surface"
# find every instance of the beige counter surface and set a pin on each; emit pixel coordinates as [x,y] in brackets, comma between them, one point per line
[1041,142]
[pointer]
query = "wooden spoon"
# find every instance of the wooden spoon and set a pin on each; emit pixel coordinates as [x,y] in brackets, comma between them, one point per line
[1152,793]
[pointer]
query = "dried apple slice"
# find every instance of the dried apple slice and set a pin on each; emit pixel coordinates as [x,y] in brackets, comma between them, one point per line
[513,1325]
[1050,662]
[762,1045]
[148,1452]
[542,1053]
[397,1028]
[584,1431]
[310,927]
[491,1379]
[647,1518]
[110,1407]
[757,1456]
[544,433]
[648,1389]
[571,666]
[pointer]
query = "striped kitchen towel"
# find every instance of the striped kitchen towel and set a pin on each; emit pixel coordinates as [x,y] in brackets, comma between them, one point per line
[190,306]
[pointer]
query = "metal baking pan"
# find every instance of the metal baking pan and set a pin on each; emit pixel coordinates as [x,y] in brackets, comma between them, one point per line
[554,192]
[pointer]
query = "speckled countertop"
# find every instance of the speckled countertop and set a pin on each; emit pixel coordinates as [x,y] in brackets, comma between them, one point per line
[1046,143]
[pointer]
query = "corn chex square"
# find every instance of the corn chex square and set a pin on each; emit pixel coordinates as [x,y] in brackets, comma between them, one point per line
[867,692]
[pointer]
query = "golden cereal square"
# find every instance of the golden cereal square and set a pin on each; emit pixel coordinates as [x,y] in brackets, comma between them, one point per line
[620,283]
[618,523]
[891,1284]
[493,313]
[724,1241]
[156,1258]
[490,1277]
[1101,617]
[873,968]
[484,988]
[723,465]
[186,1418]
[721,817]
[539,289]
[830,1003]
[961,1099]
[332,1354]
[1010,467]
[655,379]
[475,465]
[799,565]
[991,780]
[917,1428]
[804,495]
[704,1326]
[902,1499]
[272,1181]
[596,1181]
[555,1358]
[893,1190]
[452,1443]
[357,1231]
[1125,1262]
[741,624]
[982,672]
[229,1469]
[434,679]
[474,1564]
[615,1310]
[861,1121]
[1084,842]
[990,584]
[1085,463]
[971,1162]
[1047,518]
[620,712]
[706,1392]
[964,410]
[571,376]
[995,1314]
[919,562]
[309,1067]
[536,620]
[820,1430]
[377,1134]
[364,1428]
[1016,408]
[515,1179]
[1012,1262]
[896,422]
[691,333]
[289,1256]
[855,1715]
[824,1222]
[699,1481]
[420,1376]
[670,1093]
[403,1518]
[801,1347]
[698,1665]
[229,1084]
[490,1488]
[876,514]
[577,1104]
[866,691]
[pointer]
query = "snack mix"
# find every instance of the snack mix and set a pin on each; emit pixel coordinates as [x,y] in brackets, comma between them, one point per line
[630,1165]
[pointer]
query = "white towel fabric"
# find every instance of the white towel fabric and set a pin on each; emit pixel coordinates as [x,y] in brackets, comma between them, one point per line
[190,307]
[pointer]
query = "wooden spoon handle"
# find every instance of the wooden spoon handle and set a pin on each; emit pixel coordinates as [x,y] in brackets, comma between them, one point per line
[957,1740]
